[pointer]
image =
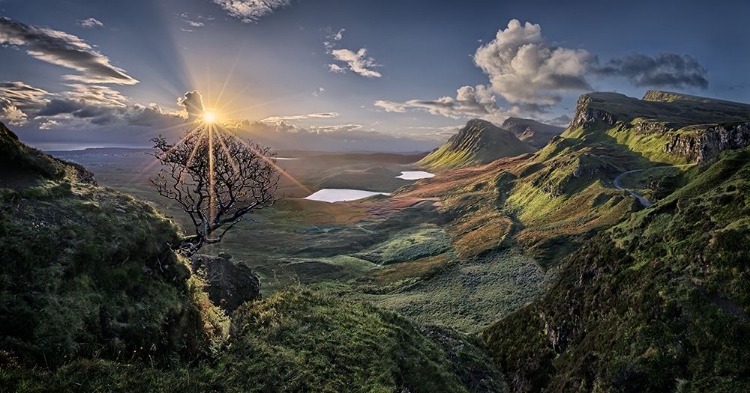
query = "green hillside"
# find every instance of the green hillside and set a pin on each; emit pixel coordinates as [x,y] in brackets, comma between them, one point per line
[659,302]
[93,299]
[478,142]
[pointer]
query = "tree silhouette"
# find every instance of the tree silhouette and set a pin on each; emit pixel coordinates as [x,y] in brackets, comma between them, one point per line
[217,178]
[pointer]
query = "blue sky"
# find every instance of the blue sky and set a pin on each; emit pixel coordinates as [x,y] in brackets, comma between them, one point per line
[356,74]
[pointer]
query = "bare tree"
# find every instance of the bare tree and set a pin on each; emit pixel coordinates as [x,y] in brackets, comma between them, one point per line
[217,179]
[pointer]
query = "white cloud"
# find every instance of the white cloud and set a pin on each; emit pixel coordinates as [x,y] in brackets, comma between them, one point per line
[470,101]
[10,113]
[249,11]
[336,68]
[524,69]
[65,50]
[339,35]
[358,62]
[90,23]
[95,95]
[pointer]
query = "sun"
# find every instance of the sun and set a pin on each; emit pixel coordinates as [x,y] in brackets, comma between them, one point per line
[209,117]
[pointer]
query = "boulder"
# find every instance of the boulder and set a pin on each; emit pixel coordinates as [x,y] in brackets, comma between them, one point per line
[229,284]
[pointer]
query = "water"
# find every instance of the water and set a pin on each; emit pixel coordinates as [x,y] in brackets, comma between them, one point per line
[286,158]
[415,175]
[341,194]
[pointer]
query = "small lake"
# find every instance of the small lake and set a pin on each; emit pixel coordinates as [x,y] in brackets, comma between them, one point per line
[415,175]
[286,158]
[341,195]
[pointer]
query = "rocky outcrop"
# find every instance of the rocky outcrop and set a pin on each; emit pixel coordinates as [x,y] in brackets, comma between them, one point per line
[229,284]
[586,116]
[706,146]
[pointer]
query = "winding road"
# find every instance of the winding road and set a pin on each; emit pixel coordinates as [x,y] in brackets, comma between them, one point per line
[637,196]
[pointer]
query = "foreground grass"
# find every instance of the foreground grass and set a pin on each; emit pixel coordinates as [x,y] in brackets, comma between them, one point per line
[295,341]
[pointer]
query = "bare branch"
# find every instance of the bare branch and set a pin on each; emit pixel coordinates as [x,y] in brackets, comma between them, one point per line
[236,176]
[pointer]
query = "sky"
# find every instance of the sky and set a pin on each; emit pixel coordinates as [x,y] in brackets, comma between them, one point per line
[346,74]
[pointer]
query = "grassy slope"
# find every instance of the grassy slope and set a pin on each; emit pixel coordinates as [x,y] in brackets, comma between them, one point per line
[92,299]
[297,342]
[478,142]
[657,303]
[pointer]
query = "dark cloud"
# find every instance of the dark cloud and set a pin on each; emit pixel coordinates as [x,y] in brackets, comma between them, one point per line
[59,107]
[63,49]
[664,70]
[193,104]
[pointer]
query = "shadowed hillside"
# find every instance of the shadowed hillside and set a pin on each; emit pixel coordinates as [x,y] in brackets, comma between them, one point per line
[659,302]
[532,132]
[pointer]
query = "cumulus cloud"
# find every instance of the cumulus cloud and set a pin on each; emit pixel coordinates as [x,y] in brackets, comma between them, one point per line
[335,68]
[663,70]
[357,62]
[531,75]
[323,115]
[524,69]
[470,101]
[90,23]
[249,11]
[192,102]
[11,114]
[65,50]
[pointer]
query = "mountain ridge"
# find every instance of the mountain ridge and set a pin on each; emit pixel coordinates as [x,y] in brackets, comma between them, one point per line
[478,142]
[534,133]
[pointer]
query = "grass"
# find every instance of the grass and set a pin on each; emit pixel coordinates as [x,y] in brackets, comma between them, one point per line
[467,296]
[657,303]
[295,341]
[479,142]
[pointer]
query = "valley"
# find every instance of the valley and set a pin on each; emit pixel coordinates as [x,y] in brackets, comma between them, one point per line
[593,260]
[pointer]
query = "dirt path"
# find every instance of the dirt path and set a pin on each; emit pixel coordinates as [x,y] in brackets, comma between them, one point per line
[637,196]
[640,197]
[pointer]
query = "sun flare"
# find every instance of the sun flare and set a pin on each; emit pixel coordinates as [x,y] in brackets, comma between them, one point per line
[209,117]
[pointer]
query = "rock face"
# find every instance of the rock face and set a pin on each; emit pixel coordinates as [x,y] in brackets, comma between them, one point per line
[478,142]
[706,146]
[585,116]
[532,132]
[229,284]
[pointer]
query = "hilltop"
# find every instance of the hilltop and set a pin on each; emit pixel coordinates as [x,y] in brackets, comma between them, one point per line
[532,132]
[478,142]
